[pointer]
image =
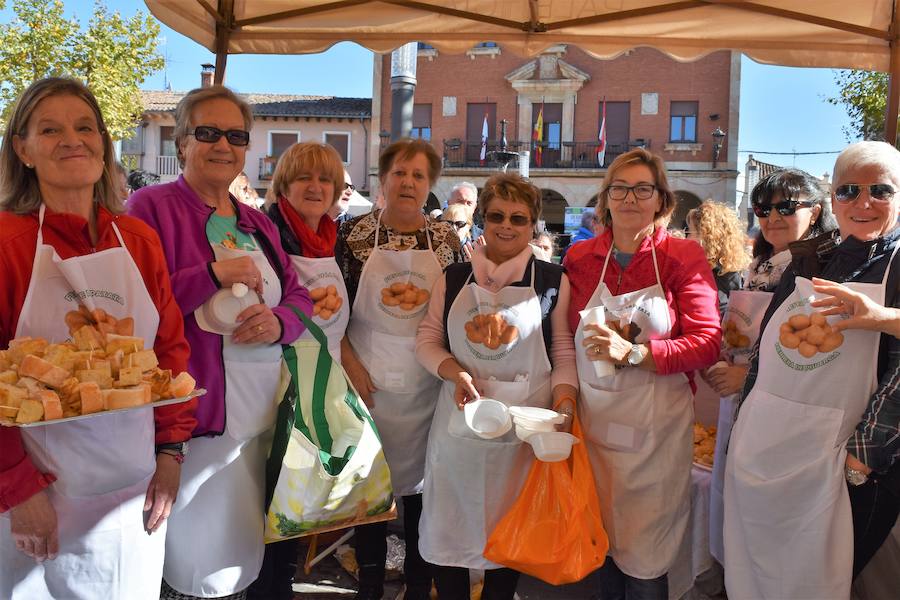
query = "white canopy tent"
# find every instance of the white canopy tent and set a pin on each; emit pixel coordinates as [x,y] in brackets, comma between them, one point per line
[857,34]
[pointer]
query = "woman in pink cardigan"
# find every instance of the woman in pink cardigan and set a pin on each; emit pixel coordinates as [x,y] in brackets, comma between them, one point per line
[645,315]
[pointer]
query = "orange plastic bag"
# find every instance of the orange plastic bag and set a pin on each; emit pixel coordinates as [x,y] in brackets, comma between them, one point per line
[554,530]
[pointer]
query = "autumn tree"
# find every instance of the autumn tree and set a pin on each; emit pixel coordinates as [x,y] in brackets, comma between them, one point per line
[112,54]
[863,94]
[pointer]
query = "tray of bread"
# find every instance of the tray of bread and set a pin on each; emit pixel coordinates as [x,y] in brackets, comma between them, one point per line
[704,446]
[103,368]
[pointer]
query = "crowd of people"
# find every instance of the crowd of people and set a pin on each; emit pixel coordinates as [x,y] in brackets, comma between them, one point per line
[169,503]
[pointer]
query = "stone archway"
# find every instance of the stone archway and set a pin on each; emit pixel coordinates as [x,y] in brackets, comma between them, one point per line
[593,201]
[685,201]
[554,210]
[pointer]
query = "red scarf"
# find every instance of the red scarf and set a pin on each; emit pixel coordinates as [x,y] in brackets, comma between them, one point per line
[313,244]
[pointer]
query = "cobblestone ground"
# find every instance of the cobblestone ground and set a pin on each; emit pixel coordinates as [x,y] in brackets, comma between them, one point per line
[329,581]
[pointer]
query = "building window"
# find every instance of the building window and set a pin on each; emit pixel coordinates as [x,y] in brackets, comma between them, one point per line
[486,45]
[167,141]
[683,122]
[475,114]
[424,46]
[421,123]
[134,144]
[279,141]
[340,141]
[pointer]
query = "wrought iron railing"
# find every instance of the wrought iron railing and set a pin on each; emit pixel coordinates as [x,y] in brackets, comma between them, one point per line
[563,155]
[167,165]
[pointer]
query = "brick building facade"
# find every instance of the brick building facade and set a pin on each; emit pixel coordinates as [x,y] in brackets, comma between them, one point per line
[670,107]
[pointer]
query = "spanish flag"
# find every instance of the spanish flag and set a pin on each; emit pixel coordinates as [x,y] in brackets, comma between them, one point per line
[537,136]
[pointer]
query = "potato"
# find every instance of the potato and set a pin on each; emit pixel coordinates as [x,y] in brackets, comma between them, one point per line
[422,296]
[802,333]
[789,340]
[817,319]
[786,328]
[398,288]
[407,306]
[317,308]
[492,342]
[338,303]
[807,350]
[318,293]
[799,321]
[390,301]
[832,341]
[331,290]
[743,341]
[408,297]
[815,335]
[386,292]
[330,302]
[730,326]
[325,314]
[475,336]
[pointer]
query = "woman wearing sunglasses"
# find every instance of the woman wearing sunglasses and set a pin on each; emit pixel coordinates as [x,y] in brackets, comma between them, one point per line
[820,411]
[790,207]
[646,302]
[222,253]
[458,216]
[494,328]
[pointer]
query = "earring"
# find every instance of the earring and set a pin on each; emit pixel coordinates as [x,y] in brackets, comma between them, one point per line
[29,166]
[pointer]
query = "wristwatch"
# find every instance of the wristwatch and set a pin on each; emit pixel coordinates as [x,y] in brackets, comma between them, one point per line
[177,450]
[855,477]
[635,356]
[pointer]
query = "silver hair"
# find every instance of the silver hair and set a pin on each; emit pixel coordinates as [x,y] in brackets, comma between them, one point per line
[859,154]
[468,185]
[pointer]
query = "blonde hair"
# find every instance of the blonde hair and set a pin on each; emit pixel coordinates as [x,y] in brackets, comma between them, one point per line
[456,212]
[721,235]
[638,156]
[306,157]
[865,153]
[19,188]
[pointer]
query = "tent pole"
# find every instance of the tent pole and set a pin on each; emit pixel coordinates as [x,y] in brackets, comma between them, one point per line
[893,100]
[223,33]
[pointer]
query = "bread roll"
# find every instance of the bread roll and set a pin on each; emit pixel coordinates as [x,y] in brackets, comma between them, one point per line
[31,411]
[125,397]
[182,385]
[91,398]
[43,371]
[125,343]
[51,404]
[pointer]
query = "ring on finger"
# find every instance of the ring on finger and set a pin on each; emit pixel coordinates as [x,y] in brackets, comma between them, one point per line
[259,328]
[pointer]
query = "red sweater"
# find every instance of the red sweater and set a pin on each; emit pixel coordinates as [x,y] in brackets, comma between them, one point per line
[686,280]
[68,234]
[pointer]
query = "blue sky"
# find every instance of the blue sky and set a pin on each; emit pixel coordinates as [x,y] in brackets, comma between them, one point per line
[782,109]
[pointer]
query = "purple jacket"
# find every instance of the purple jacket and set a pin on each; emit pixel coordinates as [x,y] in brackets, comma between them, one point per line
[179,217]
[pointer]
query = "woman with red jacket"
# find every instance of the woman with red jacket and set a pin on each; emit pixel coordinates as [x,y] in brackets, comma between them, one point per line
[74,496]
[644,312]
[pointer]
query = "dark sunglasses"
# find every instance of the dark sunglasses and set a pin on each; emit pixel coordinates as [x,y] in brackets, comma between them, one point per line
[458,224]
[879,192]
[349,186]
[497,218]
[211,135]
[785,208]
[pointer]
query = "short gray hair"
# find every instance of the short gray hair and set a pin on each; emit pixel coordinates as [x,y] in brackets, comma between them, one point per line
[867,153]
[466,185]
[184,112]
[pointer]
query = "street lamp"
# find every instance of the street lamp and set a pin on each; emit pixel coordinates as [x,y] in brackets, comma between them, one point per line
[718,135]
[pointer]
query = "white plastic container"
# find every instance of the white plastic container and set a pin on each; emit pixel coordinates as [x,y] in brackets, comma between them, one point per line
[597,316]
[487,418]
[219,313]
[552,446]
[533,414]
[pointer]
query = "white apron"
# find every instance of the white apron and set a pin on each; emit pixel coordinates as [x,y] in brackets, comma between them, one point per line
[788,526]
[470,483]
[746,309]
[640,431]
[215,543]
[318,273]
[103,464]
[384,338]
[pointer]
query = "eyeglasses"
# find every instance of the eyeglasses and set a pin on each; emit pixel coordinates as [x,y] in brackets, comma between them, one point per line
[497,218]
[211,135]
[349,186]
[641,191]
[785,208]
[459,224]
[879,192]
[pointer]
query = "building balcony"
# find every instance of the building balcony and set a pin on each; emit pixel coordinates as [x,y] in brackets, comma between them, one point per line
[460,154]
[267,167]
[167,166]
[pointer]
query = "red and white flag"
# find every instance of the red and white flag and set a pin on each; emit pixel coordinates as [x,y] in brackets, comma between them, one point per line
[601,137]
[537,136]
[484,138]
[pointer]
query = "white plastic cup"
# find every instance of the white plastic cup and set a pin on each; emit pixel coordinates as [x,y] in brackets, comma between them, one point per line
[487,418]
[552,446]
[597,316]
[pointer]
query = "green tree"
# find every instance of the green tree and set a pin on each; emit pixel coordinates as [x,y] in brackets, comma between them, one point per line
[864,96]
[112,54]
